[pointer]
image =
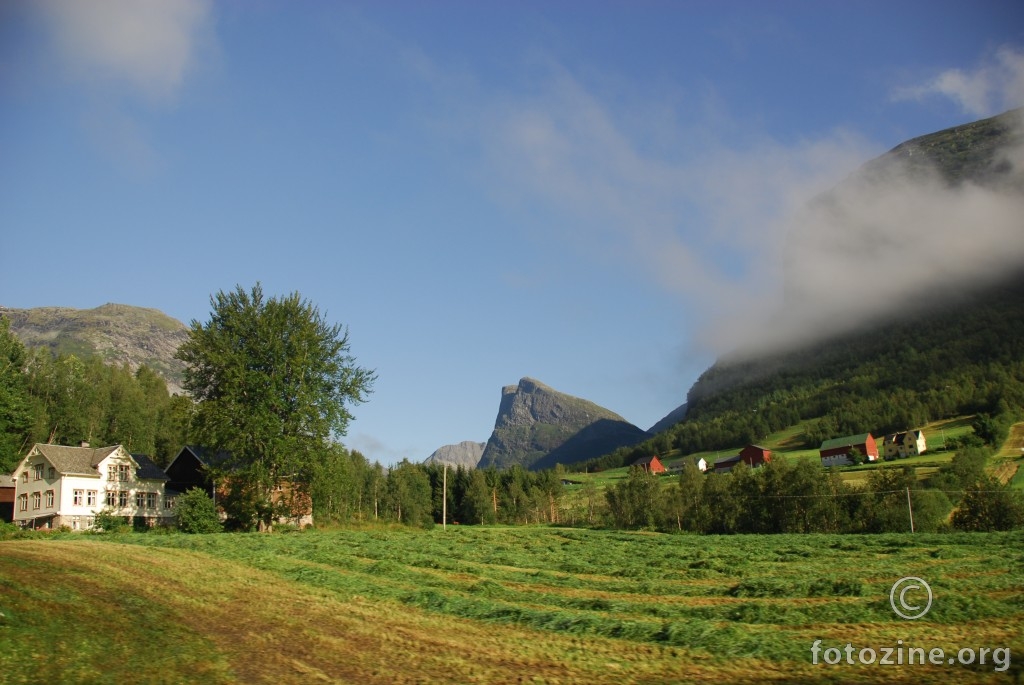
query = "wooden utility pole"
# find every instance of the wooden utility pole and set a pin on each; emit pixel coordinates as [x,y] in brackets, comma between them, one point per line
[911,510]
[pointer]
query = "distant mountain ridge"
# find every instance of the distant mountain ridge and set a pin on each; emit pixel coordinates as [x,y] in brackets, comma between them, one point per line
[466,454]
[538,427]
[669,420]
[117,333]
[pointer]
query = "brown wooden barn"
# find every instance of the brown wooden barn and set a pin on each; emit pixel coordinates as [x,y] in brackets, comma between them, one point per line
[7,488]
[755,456]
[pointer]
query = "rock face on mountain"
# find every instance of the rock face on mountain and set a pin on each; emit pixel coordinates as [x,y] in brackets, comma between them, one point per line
[538,427]
[466,454]
[119,334]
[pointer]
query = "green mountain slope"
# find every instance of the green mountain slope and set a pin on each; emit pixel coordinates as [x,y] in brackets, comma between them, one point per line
[117,333]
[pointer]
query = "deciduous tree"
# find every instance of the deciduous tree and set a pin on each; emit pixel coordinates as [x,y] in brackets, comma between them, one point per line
[273,382]
[15,406]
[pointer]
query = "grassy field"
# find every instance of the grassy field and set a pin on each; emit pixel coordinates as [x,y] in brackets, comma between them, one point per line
[499,605]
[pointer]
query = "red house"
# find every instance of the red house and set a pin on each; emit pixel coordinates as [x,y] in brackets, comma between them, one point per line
[755,455]
[650,464]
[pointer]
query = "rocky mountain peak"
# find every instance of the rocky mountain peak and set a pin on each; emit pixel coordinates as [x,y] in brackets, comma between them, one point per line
[537,424]
[118,333]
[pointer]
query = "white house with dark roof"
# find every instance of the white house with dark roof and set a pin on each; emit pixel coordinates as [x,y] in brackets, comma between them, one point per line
[903,445]
[67,486]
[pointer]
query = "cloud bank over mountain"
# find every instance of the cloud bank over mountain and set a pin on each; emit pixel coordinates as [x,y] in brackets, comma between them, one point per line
[733,224]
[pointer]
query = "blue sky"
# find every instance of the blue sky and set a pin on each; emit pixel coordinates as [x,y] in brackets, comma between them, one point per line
[593,194]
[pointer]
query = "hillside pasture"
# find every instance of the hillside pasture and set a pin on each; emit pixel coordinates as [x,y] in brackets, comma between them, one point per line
[480,604]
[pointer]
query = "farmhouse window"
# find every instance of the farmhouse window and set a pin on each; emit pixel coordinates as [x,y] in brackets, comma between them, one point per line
[49,498]
[24,476]
[122,498]
[111,498]
[36,499]
[169,503]
[90,498]
[52,473]
[79,497]
[38,471]
[151,500]
[118,472]
[140,499]
[23,502]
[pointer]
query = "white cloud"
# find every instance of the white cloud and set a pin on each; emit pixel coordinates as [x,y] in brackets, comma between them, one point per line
[148,44]
[718,225]
[126,49]
[703,220]
[993,87]
[376,450]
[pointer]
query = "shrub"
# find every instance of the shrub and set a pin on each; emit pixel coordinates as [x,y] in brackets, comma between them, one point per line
[197,513]
[109,522]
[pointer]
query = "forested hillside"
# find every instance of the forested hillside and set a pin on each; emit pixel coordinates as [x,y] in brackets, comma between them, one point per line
[928,365]
[116,333]
[930,350]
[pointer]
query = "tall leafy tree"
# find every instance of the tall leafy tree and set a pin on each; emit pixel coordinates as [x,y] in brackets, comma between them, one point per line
[989,505]
[476,503]
[273,383]
[409,494]
[15,405]
[634,502]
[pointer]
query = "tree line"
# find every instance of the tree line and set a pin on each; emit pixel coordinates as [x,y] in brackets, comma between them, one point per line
[804,497]
[270,382]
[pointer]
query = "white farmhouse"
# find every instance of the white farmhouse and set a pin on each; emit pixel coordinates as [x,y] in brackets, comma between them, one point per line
[67,486]
[903,445]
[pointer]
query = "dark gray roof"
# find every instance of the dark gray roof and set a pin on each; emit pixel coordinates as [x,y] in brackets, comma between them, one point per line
[206,456]
[75,461]
[147,469]
[83,461]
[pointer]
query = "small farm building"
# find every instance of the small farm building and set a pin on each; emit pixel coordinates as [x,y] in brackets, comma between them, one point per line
[836,452]
[755,456]
[650,464]
[903,445]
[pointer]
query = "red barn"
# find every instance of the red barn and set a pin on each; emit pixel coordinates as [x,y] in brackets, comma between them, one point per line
[755,455]
[650,464]
[836,452]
